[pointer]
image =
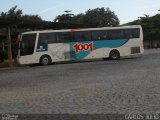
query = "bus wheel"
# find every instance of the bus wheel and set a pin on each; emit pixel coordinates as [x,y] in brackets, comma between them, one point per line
[45,60]
[114,55]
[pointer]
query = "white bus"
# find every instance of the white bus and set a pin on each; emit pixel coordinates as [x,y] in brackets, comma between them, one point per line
[49,46]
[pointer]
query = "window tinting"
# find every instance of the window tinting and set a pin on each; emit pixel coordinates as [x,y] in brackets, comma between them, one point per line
[132,33]
[116,34]
[100,35]
[64,37]
[82,36]
[45,38]
[79,36]
[27,44]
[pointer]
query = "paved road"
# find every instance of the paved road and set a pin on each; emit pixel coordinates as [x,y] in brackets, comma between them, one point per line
[123,86]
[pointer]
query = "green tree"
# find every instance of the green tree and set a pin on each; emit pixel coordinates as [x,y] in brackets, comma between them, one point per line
[99,17]
[65,18]
[31,18]
[15,13]
[151,27]
[78,18]
[12,13]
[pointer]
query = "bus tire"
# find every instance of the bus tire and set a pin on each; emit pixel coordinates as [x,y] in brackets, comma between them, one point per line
[114,55]
[45,60]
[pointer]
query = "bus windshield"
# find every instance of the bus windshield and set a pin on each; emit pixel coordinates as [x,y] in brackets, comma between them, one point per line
[27,44]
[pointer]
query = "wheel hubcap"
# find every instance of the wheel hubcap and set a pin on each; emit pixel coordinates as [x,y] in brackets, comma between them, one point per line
[114,55]
[45,61]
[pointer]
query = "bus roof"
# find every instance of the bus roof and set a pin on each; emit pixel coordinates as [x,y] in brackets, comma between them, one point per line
[84,29]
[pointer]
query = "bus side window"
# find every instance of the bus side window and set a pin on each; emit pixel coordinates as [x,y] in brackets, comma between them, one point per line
[136,32]
[58,38]
[132,33]
[96,35]
[51,38]
[42,39]
[67,37]
[46,38]
[128,33]
[100,35]
[64,37]
[82,36]
[116,34]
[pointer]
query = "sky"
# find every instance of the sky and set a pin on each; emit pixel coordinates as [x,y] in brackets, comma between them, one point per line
[126,10]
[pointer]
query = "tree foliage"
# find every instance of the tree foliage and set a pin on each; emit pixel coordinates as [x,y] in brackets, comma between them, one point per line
[65,18]
[15,13]
[99,17]
[150,25]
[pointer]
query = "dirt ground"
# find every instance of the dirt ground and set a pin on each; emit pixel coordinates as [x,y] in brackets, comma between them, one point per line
[6,64]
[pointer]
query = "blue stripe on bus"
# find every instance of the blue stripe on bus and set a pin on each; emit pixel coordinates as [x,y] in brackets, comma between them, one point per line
[109,43]
[97,44]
